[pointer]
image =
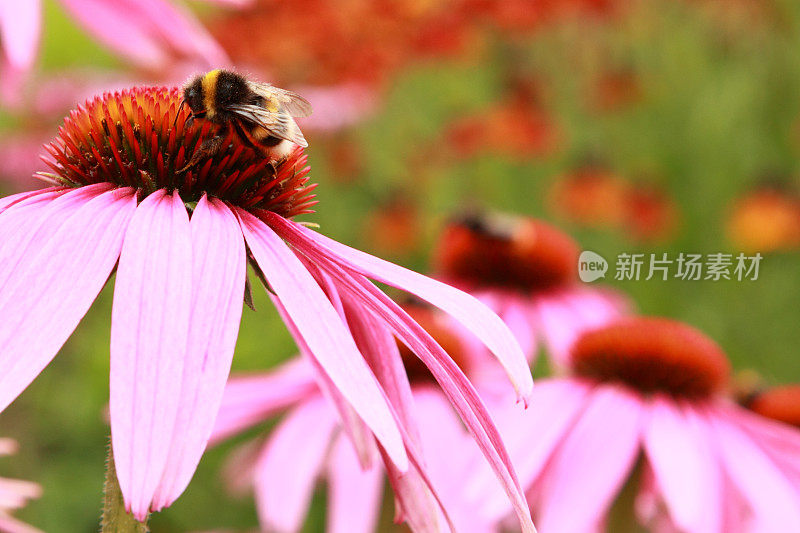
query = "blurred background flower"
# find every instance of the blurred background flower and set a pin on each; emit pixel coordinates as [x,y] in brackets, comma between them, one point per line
[311,435]
[630,127]
[14,494]
[646,404]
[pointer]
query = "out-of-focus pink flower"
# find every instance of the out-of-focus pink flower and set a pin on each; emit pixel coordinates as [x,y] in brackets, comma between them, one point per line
[148,32]
[177,241]
[338,106]
[526,271]
[20,155]
[14,494]
[311,442]
[651,390]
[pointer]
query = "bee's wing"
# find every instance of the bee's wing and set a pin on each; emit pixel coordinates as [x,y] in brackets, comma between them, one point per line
[292,103]
[278,124]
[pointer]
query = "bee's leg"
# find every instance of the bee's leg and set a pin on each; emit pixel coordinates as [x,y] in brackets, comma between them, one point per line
[244,137]
[209,148]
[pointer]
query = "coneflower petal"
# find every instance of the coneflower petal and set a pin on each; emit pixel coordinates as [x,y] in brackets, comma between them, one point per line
[358,432]
[34,219]
[451,379]
[20,27]
[48,290]
[557,319]
[355,494]
[177,26]
[219,269]
[451,460]
[415,501]
[14,199]
[119,29]
[467,310]
[780,441]
[772,500]
[592,463]
[413,495]
[248,400]
[288,468]
[323,330]
[379,348]
[149,331]
[519,318]
[360,435]
[531,436]
[686,470]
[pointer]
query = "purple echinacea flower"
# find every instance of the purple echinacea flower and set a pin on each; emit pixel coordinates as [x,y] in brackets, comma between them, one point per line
[645,403]
[147,32]
[525,270]
[311,443]
[180,244]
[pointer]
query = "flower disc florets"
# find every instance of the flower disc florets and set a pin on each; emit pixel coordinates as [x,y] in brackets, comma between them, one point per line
[779,403]
[132,138]
[653,355]
[522,254]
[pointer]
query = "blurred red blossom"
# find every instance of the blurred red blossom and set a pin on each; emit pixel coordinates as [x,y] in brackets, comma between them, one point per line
[765,219]
[519,126]
[595,197]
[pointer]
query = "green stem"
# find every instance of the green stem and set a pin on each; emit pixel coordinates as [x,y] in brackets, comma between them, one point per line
[115,518]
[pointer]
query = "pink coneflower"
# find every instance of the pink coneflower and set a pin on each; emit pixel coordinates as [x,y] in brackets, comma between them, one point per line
[149,33]
[311,443]
[14,494]
[180,244]
[526,271]
[650,390]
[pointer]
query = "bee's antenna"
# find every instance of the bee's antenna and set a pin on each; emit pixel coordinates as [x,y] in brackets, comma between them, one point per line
[177,113]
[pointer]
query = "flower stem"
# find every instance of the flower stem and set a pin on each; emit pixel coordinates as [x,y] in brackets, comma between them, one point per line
[115,518]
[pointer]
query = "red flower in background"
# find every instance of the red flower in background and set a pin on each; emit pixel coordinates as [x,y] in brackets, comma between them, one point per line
[595,197]
[778,403]
[650,392]
[765,220]
[526,271]
[519,126]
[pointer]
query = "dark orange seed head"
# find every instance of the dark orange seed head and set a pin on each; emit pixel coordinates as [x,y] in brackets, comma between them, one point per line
[521,254]
[653,355]
[132,138]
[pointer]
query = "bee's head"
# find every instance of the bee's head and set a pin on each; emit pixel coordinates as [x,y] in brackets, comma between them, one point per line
[193,95]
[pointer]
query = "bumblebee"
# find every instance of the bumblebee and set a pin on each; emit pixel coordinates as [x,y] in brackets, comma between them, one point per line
[261,115]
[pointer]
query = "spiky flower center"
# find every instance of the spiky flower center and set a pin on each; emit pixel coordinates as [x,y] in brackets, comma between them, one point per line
[132,139]
[652,355]
[522,254]
[779,403]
